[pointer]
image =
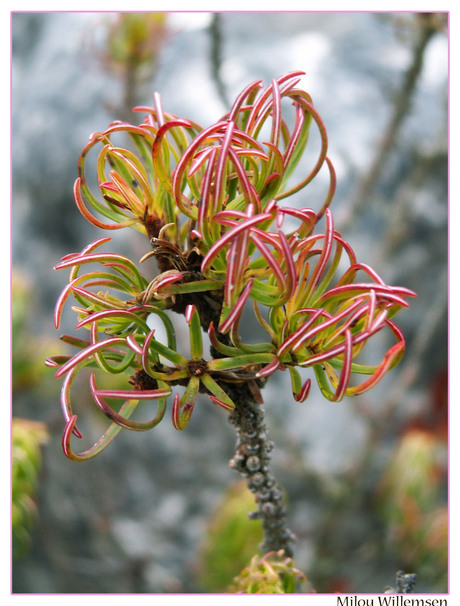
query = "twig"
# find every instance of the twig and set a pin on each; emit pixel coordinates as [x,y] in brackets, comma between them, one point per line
[428,26]
[405,583]
[215,30]
[252,460]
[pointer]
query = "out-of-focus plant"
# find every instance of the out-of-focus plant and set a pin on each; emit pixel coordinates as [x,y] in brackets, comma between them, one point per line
[231,540]
[132,47]
[28,349]
[27,439]
[411,501]
[212,203]
[135,38]
[27,436]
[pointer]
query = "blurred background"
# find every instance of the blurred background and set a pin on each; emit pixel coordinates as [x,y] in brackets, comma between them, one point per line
[366,479]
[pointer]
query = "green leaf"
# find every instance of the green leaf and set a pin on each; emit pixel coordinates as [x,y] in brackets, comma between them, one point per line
[241,361]
[196,339]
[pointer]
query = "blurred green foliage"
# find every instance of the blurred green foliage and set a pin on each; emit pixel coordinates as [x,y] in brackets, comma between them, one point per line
[135,38]
[27,439]
[411,501]
[29,349]
[231,539]
[30,376]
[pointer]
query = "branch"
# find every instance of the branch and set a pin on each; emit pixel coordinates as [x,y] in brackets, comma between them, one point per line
[252,460]
[215,56]
[428,26]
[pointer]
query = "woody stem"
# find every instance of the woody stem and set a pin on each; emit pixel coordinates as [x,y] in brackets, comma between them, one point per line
[252,461]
